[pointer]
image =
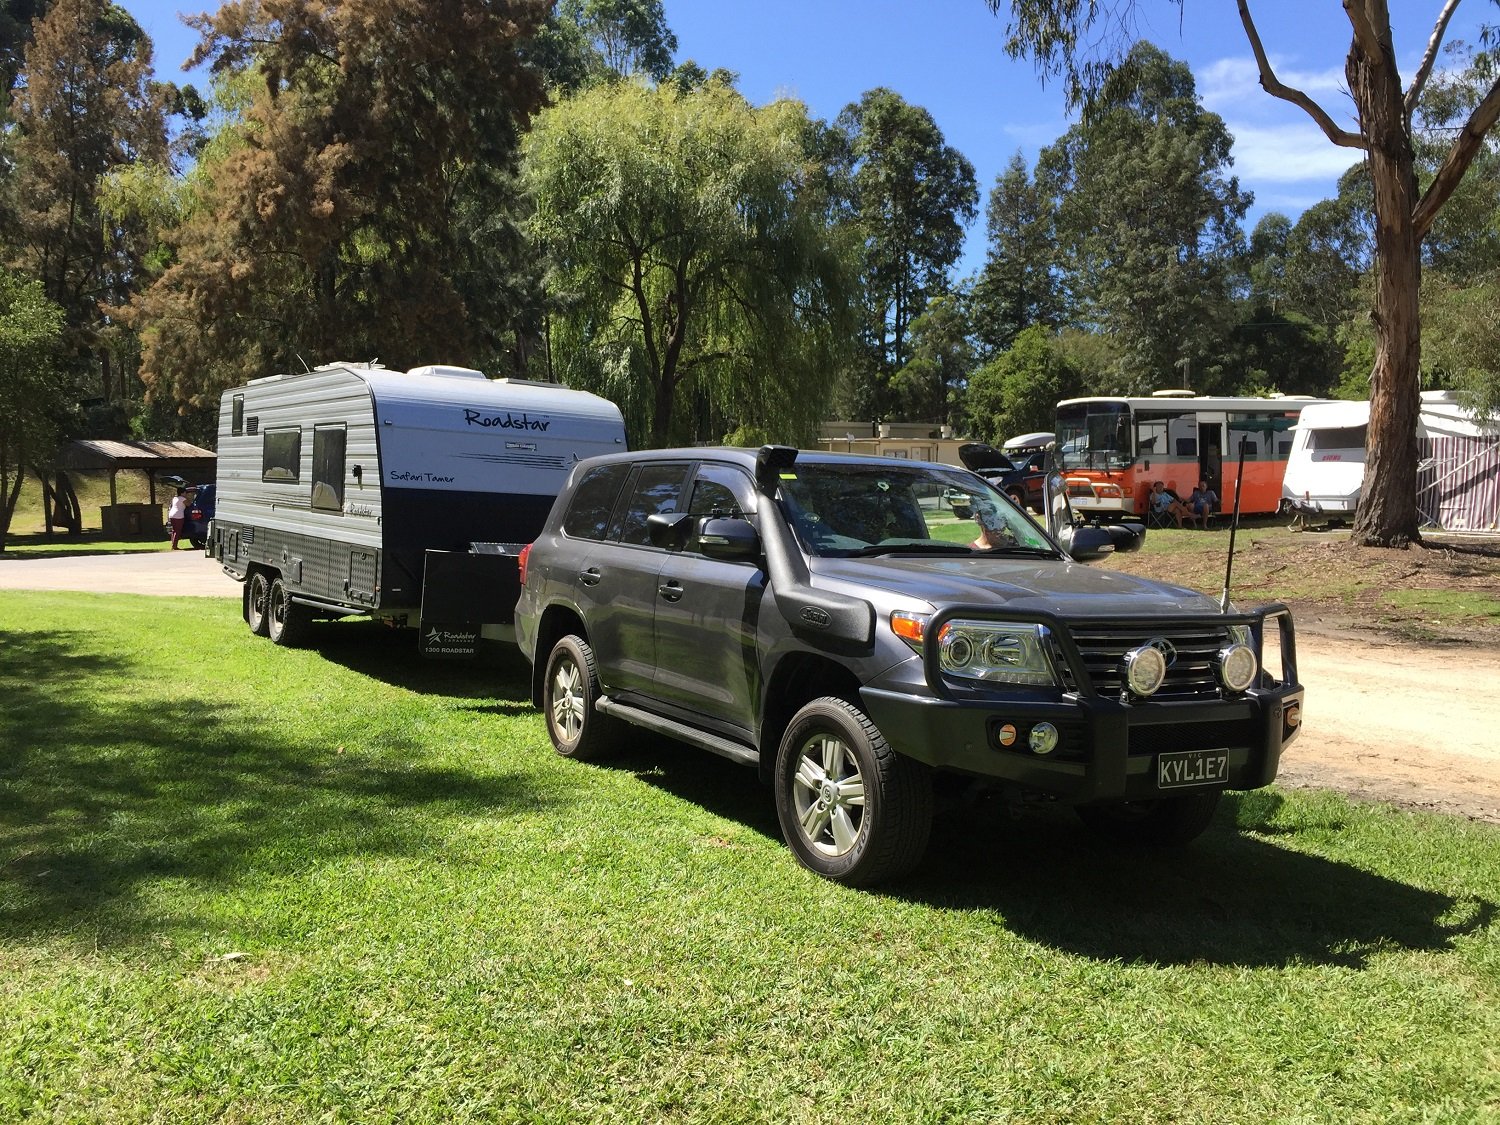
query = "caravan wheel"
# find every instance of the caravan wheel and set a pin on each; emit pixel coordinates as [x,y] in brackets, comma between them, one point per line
[288,622]
[257,603]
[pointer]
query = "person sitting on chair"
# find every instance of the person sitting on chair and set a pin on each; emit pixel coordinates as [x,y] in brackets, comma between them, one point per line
[1164,504]
[1203,501]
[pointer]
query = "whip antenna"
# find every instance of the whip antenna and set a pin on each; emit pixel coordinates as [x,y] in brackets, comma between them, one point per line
[1234,525]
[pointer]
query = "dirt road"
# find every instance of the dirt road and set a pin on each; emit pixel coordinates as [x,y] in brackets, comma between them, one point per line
[1415,726]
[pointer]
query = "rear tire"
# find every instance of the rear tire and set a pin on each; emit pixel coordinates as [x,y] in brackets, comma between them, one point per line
[288,623]
[1163,822]
[1019,497]
[570,691]
[851,808]
[258,603]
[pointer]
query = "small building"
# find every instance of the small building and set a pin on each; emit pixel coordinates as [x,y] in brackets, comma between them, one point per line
[159,460]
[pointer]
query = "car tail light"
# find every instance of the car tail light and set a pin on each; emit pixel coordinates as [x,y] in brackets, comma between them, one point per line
[521,562]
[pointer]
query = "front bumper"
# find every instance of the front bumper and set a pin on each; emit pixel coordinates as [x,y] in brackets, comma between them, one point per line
[1109,747]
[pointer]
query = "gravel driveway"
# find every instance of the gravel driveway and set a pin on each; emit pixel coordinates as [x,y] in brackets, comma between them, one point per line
[176,574]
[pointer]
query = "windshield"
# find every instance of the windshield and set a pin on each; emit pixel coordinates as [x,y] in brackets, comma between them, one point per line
[842,510]
[1094,435]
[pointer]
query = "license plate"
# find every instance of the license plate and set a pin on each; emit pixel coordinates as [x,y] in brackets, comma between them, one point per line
[1192,767]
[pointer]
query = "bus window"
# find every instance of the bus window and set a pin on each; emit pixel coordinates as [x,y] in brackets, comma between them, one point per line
[1094,435]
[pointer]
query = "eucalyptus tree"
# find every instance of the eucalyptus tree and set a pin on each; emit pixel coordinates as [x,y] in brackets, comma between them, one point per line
[31,332]
[1020,283]
[1148,222]
[701,285]
[1061,35]
[84,106]
[909,195]
[363,202]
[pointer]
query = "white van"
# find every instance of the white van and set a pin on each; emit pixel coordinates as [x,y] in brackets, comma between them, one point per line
[406,495]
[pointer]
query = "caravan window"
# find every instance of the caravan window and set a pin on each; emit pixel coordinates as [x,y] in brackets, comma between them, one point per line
[237,416]
[328,468]
[1343,438]
[281,456]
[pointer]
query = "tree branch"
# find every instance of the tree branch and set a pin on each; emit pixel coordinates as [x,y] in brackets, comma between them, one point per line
[1465,147]
[1277,89]
[1430,57]
[1365,34]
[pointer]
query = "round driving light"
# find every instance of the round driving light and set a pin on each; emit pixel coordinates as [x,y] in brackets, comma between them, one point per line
[1237,667]
[1145,670]
[957,650]
[1043,738]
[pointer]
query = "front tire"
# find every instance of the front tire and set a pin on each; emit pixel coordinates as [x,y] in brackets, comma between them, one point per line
[1163,822]
[570,691]
[851,808]
[258,603]
[288,623]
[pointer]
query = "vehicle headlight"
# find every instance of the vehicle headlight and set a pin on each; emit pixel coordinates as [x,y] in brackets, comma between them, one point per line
[995,652]
[1237,667]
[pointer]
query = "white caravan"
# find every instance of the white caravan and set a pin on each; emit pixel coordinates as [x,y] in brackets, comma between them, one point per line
[405,495]
[1458,471]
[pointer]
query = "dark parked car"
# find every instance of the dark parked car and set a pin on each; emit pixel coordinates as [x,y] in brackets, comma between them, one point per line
[200,511]
[1019,475]
[802,614]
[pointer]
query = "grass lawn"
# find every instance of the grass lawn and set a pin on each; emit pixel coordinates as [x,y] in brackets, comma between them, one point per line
[246,884]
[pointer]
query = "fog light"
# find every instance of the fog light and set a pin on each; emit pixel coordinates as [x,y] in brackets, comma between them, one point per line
[1043,738]
[1145,669]
[1237,667]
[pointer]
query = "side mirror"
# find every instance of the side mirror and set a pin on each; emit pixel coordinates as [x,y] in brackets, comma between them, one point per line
[668,530]
[1127,536]
[1055,503]
[1085,543]
[728,540]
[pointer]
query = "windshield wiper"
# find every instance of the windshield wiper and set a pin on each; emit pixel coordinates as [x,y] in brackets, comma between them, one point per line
[924,548]
[1016,549]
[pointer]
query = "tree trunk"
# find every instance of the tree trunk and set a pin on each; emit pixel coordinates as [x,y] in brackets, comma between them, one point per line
[1387,515]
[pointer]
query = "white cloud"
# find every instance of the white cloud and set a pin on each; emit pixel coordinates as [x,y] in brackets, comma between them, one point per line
[1288,154]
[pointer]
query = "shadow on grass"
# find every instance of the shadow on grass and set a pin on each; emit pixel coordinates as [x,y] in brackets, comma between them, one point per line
[1231,898]
[181,793]
[370,648]
[39,545]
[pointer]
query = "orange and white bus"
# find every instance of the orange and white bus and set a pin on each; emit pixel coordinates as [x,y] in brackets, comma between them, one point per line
[1110,450]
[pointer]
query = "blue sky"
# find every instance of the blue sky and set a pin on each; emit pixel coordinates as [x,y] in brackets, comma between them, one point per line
[946,56]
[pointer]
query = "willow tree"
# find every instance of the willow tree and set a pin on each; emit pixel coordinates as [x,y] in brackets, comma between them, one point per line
[1055,32]
[700,283]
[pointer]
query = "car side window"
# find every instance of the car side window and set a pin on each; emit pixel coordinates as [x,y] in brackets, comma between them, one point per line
[657,487]
[720,492]
[593,500]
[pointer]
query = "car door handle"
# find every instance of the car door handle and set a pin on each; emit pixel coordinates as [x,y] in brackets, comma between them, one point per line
[589,577]
[671,590]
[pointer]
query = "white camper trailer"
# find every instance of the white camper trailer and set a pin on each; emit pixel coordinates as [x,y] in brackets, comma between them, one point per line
[1458,474]
[403,495]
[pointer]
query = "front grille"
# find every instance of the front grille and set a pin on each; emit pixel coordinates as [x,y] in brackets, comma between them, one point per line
[1190,675]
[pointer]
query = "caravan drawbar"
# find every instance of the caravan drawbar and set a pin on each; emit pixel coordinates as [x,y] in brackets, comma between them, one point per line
[403,495]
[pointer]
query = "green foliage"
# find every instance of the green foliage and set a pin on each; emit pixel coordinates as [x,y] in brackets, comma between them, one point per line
[1020,283]
[364,204]
[1018,391]
[32,392]
[699,284]
[908,195]
[930,387]
[1461,340]
[1148,220]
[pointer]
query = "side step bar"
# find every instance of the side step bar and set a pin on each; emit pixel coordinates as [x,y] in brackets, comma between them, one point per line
[713,743]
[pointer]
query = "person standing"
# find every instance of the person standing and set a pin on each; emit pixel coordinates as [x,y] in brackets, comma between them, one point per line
[176,514]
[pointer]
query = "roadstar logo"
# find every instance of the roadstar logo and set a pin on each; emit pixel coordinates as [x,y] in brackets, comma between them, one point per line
[506,421]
